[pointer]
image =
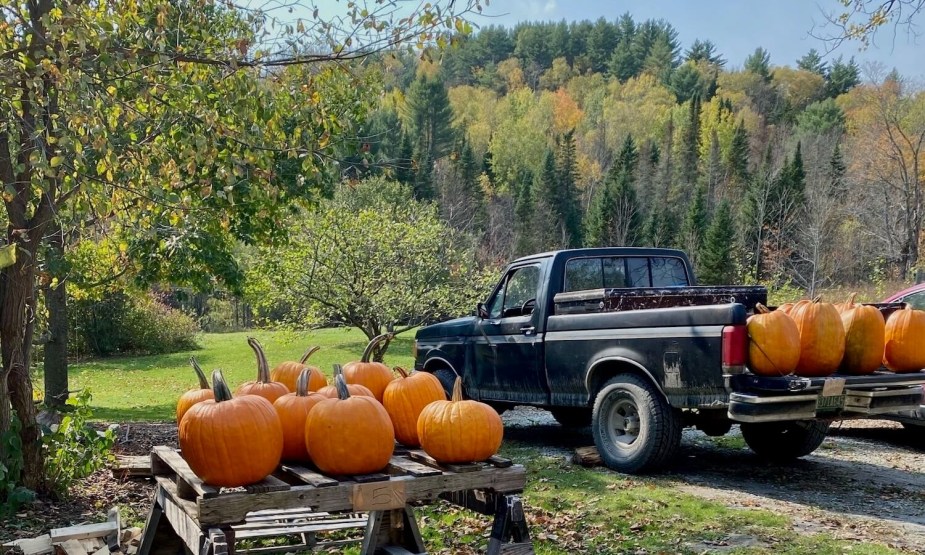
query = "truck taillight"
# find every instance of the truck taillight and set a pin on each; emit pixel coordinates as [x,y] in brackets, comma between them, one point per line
[735,349]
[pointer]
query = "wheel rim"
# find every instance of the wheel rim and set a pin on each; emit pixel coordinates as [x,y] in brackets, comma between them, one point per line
[623,423]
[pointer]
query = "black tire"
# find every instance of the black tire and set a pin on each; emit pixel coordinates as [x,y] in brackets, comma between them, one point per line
[572,417]
[447,379]
[634,427]
[784,441]
[916,428]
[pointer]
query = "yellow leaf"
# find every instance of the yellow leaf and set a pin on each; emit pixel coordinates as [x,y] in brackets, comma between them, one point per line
[56,161]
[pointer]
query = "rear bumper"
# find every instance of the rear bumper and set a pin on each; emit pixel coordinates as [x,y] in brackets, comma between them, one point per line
[760,399]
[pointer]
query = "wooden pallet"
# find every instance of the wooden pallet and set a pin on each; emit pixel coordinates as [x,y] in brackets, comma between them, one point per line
[380,502]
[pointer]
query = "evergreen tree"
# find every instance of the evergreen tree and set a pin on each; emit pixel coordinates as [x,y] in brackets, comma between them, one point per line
[704,51]
[661,227]
[690,146]
[759,62]
[716,256]
[487,168]
[714,174]
[567,200]
[471,190]
[821,117]
[602,40]
[695,224]
[623,63]
[423,186]
[660,61]
[523,215]
[842,77]
[404,165]
[430,117]
[737,159]
[614,219]
[835,173]
[685,82]
[812,61]
[548,227]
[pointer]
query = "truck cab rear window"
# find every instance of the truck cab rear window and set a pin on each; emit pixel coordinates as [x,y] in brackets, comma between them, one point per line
[582,274]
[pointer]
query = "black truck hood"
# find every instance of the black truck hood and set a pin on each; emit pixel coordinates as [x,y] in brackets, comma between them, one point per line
[450,328]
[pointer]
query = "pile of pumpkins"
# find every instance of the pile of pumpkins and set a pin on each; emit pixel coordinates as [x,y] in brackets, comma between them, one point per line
[815,338]
[292,414]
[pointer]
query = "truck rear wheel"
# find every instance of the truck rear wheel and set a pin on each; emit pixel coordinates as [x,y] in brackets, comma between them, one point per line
[634,427]
[784,441]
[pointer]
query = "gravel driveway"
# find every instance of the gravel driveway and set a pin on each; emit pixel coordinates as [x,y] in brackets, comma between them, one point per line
[865,482]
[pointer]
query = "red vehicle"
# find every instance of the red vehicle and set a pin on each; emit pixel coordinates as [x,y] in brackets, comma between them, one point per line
[915,297]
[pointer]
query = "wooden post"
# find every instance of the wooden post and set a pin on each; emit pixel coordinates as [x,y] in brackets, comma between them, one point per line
[510,526]
[392,527]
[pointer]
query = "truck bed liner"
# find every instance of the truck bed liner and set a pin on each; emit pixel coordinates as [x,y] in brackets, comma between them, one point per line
[609,300]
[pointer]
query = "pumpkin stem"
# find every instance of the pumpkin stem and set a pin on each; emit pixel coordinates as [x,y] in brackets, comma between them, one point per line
[401,371]
[457,390]
[301,383]
[850,303]
[263,368]
[203,383]
[338,370]
[308,353]
[368,352]
[817,298]
[219,387]
[341,384]
[761,309]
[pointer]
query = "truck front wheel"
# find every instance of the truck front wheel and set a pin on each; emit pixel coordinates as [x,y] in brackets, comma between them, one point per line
[784,441]
[634,427]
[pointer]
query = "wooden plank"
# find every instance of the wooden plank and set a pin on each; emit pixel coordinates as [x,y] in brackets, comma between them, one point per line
[71,547]
[132,466]
[298,529]
[322,545]
[60,535]
[367,478]
[309,476]
[185,526]
[499,462]
[291,514]
[424,458]
[91,545]
[188,484]
[233,507]
[112,539]
[401,465]
[379,496]
[266,525]
[159,467]
[40,545]
[268,484]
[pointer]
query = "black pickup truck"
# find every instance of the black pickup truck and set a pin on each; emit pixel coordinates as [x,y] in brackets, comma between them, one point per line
[621,338]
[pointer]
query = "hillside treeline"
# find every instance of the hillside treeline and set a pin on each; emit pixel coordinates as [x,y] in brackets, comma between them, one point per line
[554,135]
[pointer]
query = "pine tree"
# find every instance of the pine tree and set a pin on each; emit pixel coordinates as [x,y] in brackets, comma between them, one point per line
[690,147]
[429,117]
[661,227]
[423,185]
[714,175]
[404,166]
[704,51]
[737,160]
[695,224]
[523,214]
[547,224]
[813,62]
[614,219]
[835,173]
[470,187]
[842,77]
[759,62]
[568,203]
[716,256]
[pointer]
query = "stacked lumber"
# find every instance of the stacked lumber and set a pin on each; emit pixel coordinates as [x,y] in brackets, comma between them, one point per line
[102,538]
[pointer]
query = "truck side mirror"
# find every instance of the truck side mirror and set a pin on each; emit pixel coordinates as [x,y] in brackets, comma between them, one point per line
[481,311]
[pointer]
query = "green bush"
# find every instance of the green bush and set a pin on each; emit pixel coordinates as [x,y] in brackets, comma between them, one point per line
[74,449]
[123,324]
[12,495]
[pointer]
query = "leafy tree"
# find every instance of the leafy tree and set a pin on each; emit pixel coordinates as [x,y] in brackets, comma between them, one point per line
[759,63]
[716,265]
[372,258]
[704,51]
[182,142]
[861,20]
[690,144]
[813,62]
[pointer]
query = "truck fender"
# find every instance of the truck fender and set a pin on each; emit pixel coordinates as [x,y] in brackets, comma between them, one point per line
[436,358]
[605,367]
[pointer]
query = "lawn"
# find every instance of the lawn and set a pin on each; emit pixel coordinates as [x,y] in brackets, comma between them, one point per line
[570,509]
[147,388]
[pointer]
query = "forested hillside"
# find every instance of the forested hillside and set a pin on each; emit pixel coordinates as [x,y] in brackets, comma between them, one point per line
[553,135]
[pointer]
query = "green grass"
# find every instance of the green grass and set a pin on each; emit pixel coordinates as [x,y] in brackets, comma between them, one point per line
[147,388]
[570,509]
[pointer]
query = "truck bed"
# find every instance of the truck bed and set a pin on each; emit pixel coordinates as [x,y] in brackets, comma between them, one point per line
[619,299]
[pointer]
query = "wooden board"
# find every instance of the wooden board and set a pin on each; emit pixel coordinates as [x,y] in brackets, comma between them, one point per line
[188,484]
[309,476]
[132,466]
[40,545]
[60,535]
[424,458]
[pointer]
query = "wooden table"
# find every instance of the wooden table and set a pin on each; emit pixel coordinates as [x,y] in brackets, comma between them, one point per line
[189,516]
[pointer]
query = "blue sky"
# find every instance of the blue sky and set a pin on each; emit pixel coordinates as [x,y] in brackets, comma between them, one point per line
[737,27]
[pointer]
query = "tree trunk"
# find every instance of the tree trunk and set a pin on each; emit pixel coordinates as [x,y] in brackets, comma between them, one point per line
[18,300]
[56,384]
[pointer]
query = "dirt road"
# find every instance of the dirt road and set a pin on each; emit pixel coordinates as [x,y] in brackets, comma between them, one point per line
[866,482]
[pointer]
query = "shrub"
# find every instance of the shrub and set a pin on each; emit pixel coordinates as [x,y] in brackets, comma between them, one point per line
[122,324]
[12,495]
[73,449]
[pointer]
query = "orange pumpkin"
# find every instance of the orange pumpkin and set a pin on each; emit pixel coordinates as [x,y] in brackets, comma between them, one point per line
[263,386]
[330,391]
[374,375]
[841,307]
[785,308]
[193,396]
[458,431]
[774,342]
[287,373]
[905,341]
[349,435]
[293,409]
[231,442]
[405,398]
[822,337]
[864,338]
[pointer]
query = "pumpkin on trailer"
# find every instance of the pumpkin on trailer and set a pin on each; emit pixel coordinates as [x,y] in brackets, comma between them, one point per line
[193,396]
[404,399]
[293,409]
[822,337]
[330,391]
[458,431]
[774,342]
[904,349]
[231,441]
[349,434]
[263,386]
[287,373]
[864,338]
[374,375]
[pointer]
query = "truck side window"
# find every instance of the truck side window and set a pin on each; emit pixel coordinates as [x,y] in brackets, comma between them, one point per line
[614,272]
[637,272]
[520,285]
[582,274]
[668,272]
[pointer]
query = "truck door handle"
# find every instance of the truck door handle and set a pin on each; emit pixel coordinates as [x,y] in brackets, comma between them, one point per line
[493,322]
[527,330]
